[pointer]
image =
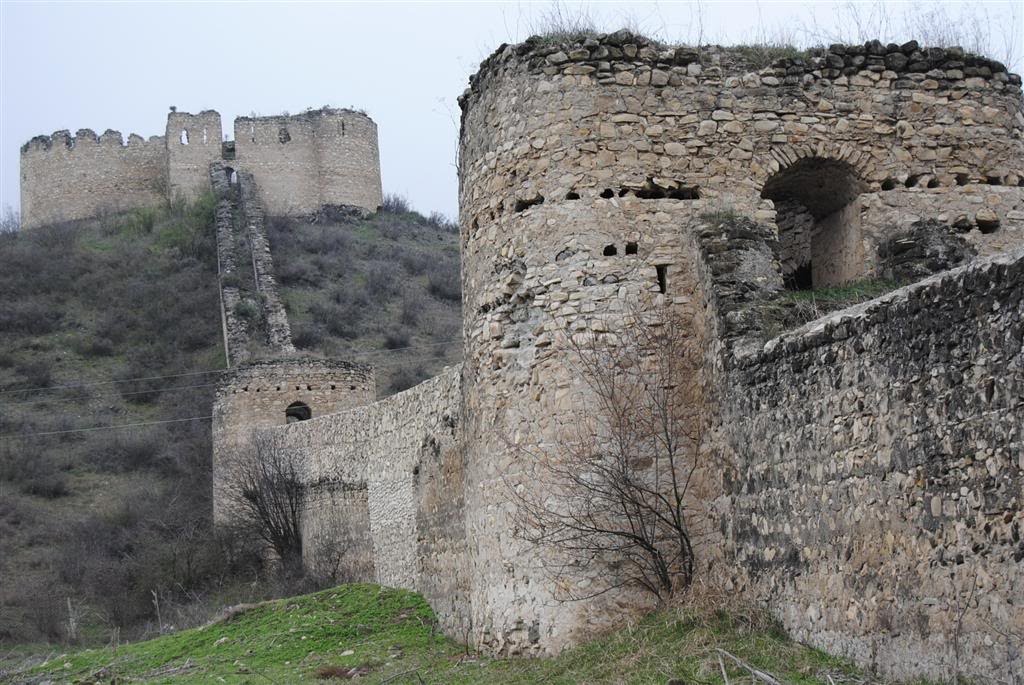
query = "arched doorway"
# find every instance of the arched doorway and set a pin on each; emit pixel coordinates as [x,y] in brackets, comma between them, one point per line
[818,215]
[298,411]
[232,175]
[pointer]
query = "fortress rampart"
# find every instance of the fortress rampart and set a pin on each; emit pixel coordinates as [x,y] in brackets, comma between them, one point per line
[72,177]
[872,460]
[300,163]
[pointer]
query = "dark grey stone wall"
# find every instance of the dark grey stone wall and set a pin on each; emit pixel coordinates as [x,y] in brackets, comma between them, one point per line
[875,499]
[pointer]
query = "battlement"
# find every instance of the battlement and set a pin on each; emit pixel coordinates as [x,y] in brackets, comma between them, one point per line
[300,163]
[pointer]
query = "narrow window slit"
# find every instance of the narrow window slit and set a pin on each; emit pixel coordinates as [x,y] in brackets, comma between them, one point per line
[662,270]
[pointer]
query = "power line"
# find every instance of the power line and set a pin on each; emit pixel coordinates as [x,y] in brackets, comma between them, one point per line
[174,388]
[72,386]
[101,428]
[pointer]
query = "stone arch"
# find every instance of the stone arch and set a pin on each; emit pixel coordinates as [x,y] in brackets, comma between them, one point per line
[232,175]
[817,208]
[298,411]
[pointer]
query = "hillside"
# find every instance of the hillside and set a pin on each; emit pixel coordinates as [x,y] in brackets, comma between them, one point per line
[104,530]
[381,635]
[384,290]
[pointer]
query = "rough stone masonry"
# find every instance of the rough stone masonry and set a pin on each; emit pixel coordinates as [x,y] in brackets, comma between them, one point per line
[300,163]
[871,496]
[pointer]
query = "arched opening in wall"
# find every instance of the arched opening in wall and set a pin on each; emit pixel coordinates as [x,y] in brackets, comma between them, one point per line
[298,411]
[184,137]
[818,215]
[232,175]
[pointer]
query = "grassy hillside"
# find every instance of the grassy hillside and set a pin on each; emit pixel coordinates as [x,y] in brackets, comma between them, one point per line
[384,290]
[105,530]
[93,518]
[388,636]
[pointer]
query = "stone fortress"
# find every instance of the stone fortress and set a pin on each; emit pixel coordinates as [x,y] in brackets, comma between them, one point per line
[872,475]
[301,163]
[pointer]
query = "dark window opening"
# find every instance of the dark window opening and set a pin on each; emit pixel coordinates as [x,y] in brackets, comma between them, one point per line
[888,184]
[282,135]
[607,193]
[298,411]
[522,205]
[933,183]
[651,192]
[609,251]
[572,195]
[993,180]
[631,248]
[685,193]
[662,270]
[799,278]
[624,192]
[962,179]
[911,181]
[817,213]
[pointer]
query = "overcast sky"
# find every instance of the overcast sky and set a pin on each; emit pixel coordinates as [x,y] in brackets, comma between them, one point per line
[120,65]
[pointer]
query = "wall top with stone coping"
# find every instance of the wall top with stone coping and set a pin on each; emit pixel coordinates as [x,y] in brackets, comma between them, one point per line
[978,276]
[308,115]
[87,135]
[282,367]
[601,54]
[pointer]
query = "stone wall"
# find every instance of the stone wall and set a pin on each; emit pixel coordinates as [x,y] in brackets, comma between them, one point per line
[300,163]
[257,395]
[592,175]
[193,144]
[879,471]
[305,161]
[65,177]
[385,495]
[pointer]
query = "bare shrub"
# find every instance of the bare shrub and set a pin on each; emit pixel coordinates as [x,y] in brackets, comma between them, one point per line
[444,284]
[615,501]
[395,204]
[10,222]
[266,490]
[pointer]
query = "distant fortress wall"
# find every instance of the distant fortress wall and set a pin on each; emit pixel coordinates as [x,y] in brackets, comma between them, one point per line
[299,162]
[66,177]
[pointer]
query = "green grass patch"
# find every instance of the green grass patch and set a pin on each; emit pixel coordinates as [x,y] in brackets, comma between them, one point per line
[388,635]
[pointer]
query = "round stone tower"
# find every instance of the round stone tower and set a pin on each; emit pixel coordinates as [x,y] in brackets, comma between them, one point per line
[275,392]
[584,169]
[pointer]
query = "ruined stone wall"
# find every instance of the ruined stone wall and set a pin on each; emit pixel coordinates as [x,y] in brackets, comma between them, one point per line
[65,177]
[847,123]
[586,170]
[193,144]
[385,494]
[308,160]
[300,163]
[879,468]
[256,395]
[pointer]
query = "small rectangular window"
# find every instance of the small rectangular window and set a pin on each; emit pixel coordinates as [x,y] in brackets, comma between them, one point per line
[662,270]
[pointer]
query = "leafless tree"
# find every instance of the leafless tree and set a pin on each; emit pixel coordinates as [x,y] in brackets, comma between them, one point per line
[615,502]
[266,491]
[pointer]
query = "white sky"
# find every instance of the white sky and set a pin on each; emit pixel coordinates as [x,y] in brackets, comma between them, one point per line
[120,65]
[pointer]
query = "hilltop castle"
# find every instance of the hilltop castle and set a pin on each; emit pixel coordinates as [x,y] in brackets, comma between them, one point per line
[870,493]
[301,163]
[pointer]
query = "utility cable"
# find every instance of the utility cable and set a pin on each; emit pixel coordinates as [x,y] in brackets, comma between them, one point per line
[101,428]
